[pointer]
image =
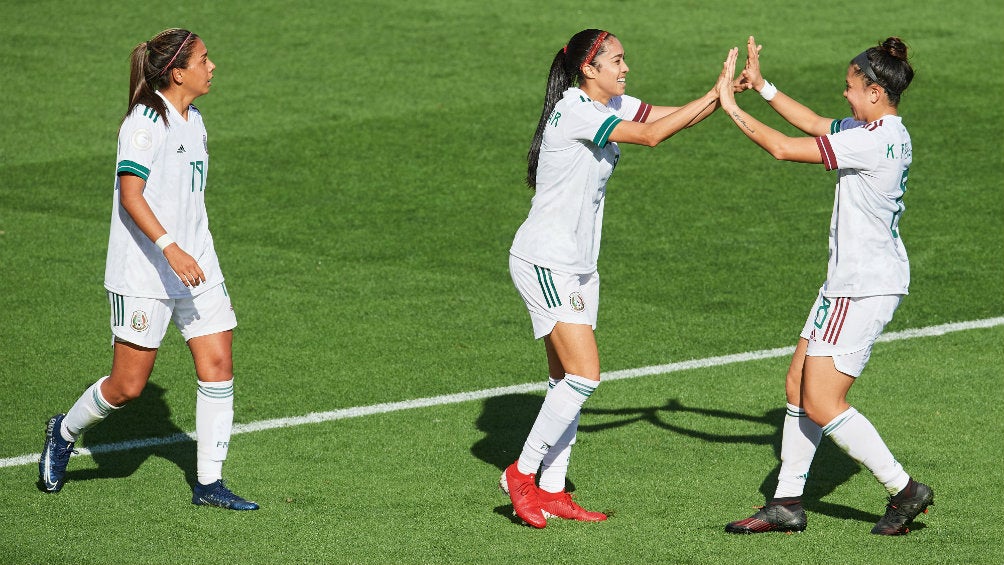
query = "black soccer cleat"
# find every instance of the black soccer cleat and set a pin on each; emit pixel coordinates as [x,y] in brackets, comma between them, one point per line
[906,505]
[774,517]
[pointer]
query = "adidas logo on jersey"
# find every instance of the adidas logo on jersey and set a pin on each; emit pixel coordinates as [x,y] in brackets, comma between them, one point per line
[181,149]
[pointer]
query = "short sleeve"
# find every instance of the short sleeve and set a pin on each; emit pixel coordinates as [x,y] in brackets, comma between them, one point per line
[140,138]
[591,121]
[630,108]
[853,148]
[845,124]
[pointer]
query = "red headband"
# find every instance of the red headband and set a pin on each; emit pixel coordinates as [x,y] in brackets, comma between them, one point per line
[596,47]
[180,47]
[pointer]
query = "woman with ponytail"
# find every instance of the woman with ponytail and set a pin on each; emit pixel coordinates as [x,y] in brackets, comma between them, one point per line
[553,256]
[867,276]
[161,265]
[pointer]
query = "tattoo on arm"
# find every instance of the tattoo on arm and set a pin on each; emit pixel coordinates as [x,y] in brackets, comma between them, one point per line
[739,119]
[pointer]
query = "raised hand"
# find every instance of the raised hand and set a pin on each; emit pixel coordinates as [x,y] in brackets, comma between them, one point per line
[724,86]
[751,76]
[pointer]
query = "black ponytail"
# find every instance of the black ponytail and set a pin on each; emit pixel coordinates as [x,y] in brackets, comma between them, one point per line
[566,71]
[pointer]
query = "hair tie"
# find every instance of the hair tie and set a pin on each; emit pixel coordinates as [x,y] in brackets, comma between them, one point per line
[564,50]
[596,47]
[180,47]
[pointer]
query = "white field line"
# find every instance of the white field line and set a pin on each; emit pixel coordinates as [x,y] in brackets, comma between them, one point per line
[357,411]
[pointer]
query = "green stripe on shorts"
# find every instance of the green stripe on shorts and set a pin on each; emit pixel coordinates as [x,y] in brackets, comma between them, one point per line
[546,282]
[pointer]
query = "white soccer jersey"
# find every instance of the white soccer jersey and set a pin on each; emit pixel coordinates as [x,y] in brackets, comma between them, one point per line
[562,230]
[867,256]
[174,162]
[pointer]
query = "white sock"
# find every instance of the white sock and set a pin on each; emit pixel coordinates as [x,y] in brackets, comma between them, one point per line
[799,439]
[87,411]
[214,417]
[561,408]
[859,438]
[554,466]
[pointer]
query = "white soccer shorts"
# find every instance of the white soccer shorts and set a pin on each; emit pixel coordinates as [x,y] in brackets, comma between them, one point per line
[553,297]
[845,328]
[144,321]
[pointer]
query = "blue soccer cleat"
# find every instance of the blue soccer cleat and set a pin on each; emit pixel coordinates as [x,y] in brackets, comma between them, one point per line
[217,494]
[55,455]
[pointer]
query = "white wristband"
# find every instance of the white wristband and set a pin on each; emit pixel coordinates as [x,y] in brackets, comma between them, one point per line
[768,91]
[163,241]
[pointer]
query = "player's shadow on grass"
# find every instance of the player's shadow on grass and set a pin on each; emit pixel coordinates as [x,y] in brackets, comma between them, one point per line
[505,422]
[131,435]
[831,467]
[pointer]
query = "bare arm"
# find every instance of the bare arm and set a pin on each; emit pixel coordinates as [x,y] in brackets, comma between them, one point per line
[131,198]
[668,121]
[780,146]
[659,112]
[790,109]
[655,132]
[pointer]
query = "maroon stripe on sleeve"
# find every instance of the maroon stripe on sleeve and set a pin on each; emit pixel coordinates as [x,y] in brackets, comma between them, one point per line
[826,152]
[643,111]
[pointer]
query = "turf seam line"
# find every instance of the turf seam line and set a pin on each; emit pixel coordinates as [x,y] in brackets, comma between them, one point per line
[383,408]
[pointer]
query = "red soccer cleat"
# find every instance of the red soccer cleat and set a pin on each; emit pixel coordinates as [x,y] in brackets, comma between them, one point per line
[523,492]
[560,504]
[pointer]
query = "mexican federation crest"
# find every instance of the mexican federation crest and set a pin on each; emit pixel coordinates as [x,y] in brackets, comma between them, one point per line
[139,322]
[576,302]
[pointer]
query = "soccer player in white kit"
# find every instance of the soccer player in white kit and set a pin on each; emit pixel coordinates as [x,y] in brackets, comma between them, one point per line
[868,273]
[161,265]
[553,256]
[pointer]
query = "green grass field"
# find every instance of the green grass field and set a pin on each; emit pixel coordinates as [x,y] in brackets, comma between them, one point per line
[367,160]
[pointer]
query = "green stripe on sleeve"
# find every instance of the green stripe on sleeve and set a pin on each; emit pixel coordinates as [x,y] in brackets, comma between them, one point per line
[835,126]
[603,134]
[133,168]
